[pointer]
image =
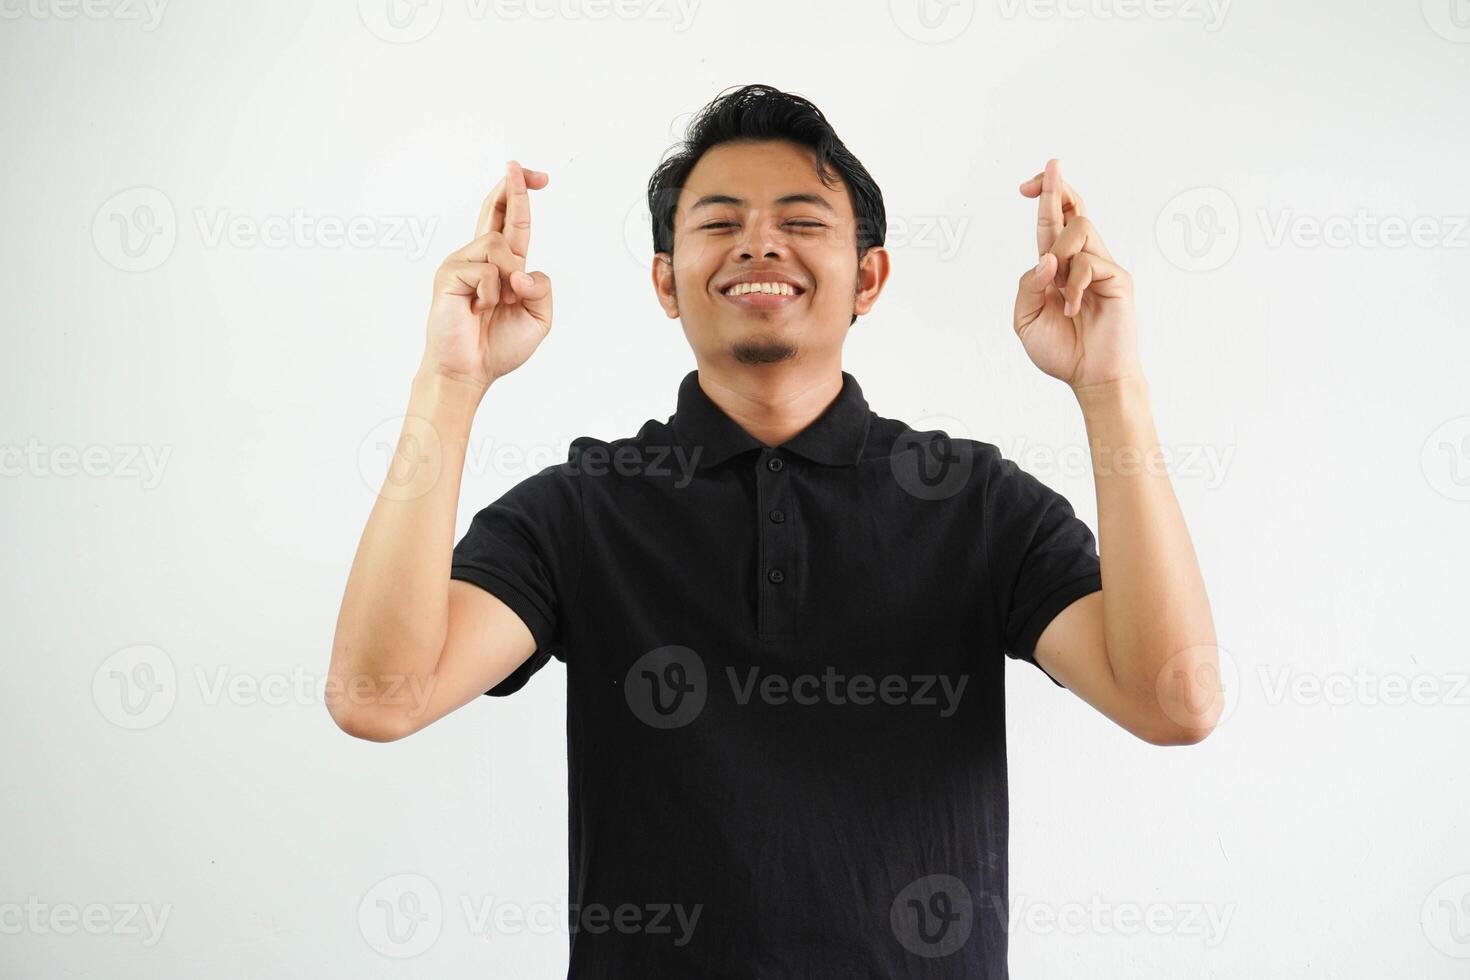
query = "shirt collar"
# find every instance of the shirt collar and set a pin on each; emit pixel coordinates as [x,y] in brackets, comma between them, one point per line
[835,438]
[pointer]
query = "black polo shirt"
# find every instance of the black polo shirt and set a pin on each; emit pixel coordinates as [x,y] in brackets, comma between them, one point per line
[785,700]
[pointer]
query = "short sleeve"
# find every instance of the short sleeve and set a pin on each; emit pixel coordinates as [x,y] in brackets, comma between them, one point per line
[1041,557]
[524,549]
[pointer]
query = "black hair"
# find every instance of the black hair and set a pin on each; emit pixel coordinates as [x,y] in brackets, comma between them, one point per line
[761,112]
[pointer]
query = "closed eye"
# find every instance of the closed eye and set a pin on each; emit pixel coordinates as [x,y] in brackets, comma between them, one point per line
[731,224]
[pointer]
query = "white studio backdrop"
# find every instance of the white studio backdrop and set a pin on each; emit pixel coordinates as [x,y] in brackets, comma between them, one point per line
[220,223]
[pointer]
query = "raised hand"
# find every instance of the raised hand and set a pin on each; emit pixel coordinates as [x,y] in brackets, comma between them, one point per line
[488,314]
[1074,310]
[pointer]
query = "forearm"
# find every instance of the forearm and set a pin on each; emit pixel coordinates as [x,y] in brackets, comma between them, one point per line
[394,614]
[1155,609]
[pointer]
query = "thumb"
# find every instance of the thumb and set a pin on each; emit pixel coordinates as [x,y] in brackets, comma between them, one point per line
[1031,293]
[534,290]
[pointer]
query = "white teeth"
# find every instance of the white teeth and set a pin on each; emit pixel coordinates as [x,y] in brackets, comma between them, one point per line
[772,288]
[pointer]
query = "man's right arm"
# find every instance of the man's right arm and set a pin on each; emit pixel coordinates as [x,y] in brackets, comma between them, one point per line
[411,644]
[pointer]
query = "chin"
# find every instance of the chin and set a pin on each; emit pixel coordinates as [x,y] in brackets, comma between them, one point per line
[763,349]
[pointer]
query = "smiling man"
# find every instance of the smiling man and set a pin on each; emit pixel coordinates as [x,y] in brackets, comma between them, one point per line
[785,690]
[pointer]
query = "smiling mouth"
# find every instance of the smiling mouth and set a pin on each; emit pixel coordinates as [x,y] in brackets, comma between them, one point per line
[762,295]
[764,288]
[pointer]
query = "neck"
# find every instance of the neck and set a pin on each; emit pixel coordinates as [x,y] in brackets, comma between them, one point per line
[773,402]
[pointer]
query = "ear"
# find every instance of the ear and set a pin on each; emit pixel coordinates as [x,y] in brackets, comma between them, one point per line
[872,274]
[663,284]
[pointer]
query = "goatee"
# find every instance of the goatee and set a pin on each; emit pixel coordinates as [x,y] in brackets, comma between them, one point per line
[763,350]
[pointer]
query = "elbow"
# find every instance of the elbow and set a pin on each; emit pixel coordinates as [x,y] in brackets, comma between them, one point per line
[1166,727]
[1187,699]
[1176,734]
[368,725]
[370,704]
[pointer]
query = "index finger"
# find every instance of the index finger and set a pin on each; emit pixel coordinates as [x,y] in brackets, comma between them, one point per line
[1049,221]
[488,209]
[517,229]
[1071,200]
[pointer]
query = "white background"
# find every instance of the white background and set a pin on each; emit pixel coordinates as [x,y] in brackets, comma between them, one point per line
[1314,392]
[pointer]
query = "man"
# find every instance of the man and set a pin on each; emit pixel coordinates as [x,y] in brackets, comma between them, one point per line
[783,616]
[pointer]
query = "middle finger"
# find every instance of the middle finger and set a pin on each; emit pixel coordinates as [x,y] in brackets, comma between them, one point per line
[1072,205]
[1049,218]
[492,211]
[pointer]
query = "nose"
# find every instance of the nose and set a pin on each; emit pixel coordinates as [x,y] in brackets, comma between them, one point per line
[763,238]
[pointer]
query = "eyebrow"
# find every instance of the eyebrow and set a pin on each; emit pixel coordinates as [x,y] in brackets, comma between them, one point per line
[709,200]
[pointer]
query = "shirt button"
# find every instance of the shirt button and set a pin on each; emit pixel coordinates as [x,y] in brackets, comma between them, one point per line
[774,464]
[778,516]
[776,575]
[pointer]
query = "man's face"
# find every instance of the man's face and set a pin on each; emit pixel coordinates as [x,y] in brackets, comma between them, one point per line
[758,212]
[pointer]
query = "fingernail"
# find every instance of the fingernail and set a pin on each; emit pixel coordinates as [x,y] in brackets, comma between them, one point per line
[1039,264]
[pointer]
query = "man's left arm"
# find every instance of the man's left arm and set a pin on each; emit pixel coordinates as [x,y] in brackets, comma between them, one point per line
[1142,651]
